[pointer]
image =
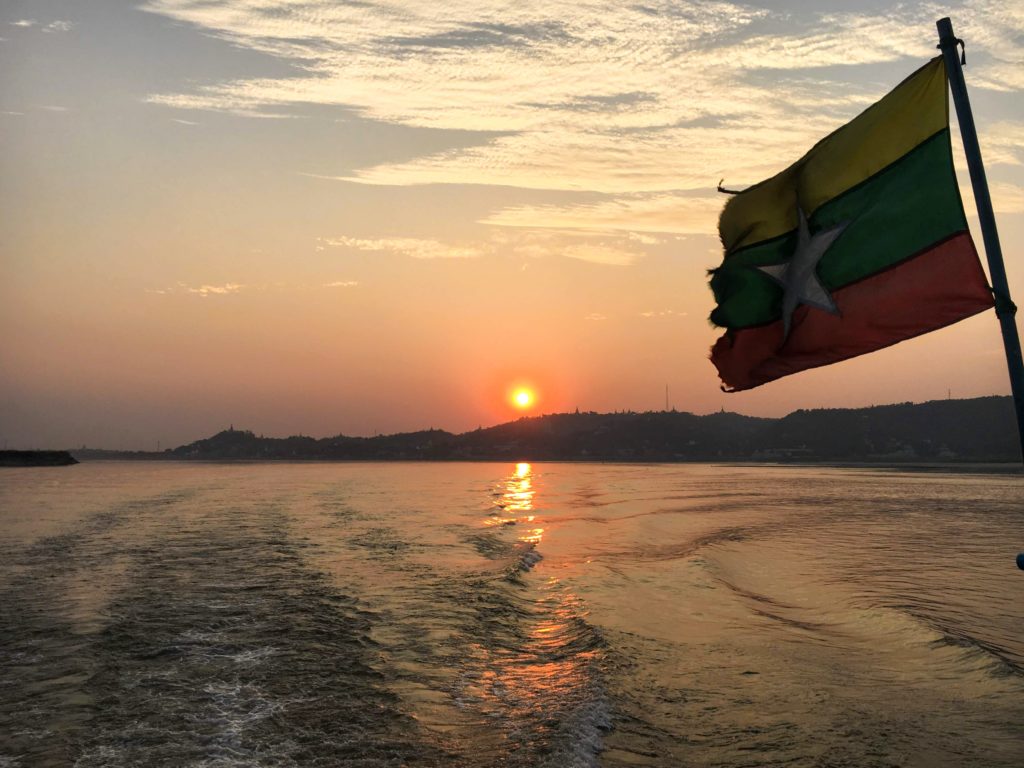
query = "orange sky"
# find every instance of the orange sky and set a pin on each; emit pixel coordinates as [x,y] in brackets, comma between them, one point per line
[330,219]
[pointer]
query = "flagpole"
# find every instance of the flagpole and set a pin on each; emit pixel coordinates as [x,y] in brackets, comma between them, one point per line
[1005,308]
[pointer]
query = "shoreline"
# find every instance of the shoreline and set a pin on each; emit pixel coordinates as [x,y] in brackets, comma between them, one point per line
[965,466]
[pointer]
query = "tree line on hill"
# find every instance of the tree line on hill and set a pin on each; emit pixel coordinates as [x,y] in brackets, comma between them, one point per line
[980,429]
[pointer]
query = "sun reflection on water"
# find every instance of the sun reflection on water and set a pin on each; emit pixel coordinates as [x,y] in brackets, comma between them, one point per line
[516,503]
[538,672]
[515,500]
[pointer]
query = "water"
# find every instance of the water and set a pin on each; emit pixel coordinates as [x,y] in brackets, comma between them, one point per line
[509,615]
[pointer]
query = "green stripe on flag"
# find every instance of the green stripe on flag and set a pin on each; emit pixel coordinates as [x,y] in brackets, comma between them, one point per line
[898,212]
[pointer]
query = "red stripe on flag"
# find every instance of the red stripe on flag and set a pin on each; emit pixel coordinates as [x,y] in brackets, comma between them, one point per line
[934,289]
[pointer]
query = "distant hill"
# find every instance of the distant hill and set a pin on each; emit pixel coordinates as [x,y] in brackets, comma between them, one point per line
[980,430]
[36,459]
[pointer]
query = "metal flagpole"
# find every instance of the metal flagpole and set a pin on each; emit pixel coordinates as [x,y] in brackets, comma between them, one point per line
[1005,308]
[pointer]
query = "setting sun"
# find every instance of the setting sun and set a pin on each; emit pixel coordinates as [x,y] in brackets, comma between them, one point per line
[522,398]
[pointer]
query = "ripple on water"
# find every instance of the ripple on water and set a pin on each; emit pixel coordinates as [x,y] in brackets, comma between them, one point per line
[392,615]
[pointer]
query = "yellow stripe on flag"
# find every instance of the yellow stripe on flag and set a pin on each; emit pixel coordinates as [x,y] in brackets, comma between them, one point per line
[915,110]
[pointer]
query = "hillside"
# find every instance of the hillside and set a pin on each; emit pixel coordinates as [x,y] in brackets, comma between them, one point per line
[981,429]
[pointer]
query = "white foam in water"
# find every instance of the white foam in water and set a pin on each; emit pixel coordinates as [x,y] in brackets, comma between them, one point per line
[96,757]
[530,559]
[586,730]
[254,656]
[239,705]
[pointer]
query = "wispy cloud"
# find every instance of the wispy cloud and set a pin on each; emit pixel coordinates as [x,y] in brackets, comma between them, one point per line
[643,239]
[595,316]
[609,248]
[217,290]
[204,291]
[183,122]
[1007,198]
[407,246]
[1004,143]
[225,289]
[600,254]
[635,214]
[650,103]
[59,26]
[663,313]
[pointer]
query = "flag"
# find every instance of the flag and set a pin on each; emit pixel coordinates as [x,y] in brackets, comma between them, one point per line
[860,244]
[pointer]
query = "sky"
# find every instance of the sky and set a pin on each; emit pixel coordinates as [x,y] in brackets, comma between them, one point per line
[321,217]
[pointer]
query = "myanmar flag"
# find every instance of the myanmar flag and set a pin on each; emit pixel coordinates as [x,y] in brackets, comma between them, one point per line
[860,244]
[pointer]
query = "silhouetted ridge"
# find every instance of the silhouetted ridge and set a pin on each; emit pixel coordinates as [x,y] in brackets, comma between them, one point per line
[981,429]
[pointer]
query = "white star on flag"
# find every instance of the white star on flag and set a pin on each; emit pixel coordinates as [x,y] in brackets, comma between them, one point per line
[799,277]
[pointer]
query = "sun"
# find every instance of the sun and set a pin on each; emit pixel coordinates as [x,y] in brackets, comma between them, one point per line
[523,398]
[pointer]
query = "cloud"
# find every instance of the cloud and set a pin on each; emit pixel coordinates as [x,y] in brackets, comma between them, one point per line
[183,122]
[649,104]
[407,246]
[59,26]
[994,28]
[671,213]
[645,239]
[215,290]
[600,254]
[595,316]
[608,248]
[225,289]
[200,290]
[1003,142]
[1007,198]
[486,35]
[663,313]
